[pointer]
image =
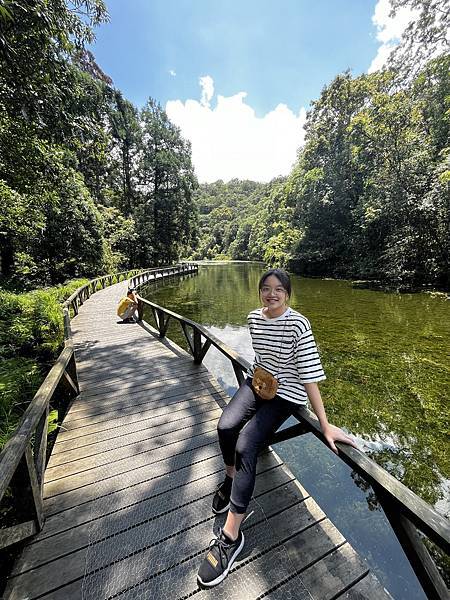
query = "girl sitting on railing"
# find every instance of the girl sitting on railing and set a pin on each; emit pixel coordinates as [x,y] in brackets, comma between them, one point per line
[284,374]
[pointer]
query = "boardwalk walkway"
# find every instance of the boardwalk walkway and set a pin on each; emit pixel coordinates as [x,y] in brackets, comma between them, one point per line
[130,481]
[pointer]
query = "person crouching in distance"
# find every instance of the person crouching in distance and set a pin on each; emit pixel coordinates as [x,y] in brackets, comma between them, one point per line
[128,306]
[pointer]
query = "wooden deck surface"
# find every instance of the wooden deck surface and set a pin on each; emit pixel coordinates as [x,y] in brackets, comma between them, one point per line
[129,485]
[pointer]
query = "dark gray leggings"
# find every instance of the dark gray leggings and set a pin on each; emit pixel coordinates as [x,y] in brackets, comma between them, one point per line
[244,428]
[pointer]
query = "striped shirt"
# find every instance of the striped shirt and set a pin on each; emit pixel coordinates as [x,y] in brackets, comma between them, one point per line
[285,347]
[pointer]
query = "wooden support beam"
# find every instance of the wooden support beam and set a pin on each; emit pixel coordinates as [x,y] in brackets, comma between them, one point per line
[140,310]
[71,370]
[163,323]
[239,372]
[73,387]
[40,448]
[418,555]
[188,337]
[288,433]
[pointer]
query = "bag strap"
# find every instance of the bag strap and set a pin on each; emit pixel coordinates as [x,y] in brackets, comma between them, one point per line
[281,345]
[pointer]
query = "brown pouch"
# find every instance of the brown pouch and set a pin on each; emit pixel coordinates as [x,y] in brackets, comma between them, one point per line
[264,384]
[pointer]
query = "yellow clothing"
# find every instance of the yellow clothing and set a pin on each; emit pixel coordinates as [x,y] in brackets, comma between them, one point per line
[124,305]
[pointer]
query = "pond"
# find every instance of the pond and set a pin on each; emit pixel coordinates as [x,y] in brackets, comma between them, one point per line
[388,381]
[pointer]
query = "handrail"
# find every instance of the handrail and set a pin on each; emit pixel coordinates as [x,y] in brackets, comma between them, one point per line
[402,506]
[23,458]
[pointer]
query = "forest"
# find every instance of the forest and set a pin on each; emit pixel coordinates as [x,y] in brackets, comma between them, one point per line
[368,197]
[89,183]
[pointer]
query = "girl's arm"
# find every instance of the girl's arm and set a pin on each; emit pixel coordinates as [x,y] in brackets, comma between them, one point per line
[331,432]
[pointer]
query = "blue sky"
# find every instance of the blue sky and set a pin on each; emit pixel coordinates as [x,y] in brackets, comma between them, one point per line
[266,59]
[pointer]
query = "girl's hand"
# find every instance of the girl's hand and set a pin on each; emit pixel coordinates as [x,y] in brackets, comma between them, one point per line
[335,434]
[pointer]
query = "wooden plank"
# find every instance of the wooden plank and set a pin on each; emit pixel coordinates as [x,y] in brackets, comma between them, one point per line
[335,573]
[143,344]
[139,371]
[127,492]
[177,409]
[269,575]
[188,524]
[134,413]
[114,405]
[166,381]
[134,446]
[368,588]
[156,426]
[129,388]
[145,510]
[145,458]
[60,498]
[160,563]
[112,354]
[169,381]
[122,491]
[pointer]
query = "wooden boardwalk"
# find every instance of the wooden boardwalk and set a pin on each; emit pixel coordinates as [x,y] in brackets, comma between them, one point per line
[129,485]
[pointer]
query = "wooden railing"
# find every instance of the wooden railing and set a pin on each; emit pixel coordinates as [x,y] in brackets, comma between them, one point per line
[23,459]
[152,275]
[406,511]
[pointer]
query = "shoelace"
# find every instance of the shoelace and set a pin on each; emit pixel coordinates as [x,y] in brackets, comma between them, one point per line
[222,546]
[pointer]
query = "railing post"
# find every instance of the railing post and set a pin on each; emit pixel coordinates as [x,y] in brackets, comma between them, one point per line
[414,548]
[40,448]
[72,371]
[239,373]
[26,490]
[140,310]
[197,346]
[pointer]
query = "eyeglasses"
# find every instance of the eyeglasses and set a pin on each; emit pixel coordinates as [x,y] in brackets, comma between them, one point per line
[266,290]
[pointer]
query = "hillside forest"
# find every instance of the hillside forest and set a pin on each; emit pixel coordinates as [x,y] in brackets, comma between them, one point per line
[368,197]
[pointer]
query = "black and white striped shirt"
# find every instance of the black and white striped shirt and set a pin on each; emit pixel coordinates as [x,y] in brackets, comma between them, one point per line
[285,347]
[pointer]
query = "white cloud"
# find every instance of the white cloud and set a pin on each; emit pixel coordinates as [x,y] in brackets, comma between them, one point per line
[207,85]
[172,72]
[389,30]
[230,141]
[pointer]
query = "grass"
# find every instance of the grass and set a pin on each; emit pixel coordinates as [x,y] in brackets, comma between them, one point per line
[31,337]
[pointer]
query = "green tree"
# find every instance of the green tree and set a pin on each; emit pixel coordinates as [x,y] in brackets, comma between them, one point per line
[425,36]
[324,186]
[165,212]
[125,145]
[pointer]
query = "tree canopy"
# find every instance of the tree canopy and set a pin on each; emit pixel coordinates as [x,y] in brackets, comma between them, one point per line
[89,183]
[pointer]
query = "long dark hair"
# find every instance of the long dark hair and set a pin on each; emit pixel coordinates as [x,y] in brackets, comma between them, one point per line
[279,274]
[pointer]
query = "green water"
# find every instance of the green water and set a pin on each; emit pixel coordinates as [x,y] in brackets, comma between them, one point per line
[386,357]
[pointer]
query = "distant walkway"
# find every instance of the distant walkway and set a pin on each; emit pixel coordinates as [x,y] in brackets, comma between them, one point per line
[130,481]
